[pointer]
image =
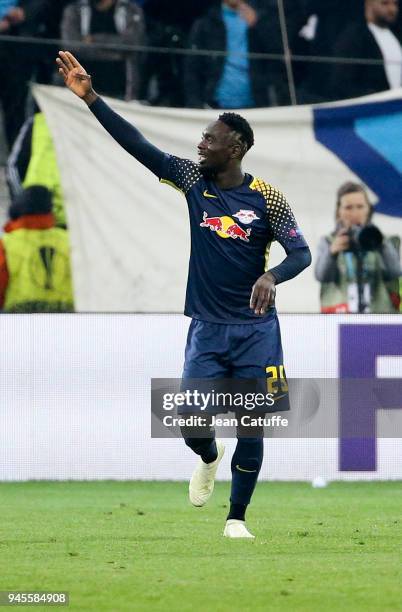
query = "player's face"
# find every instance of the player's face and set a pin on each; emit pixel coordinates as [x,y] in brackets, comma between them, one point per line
[217,148]
[385,12]
[353,210]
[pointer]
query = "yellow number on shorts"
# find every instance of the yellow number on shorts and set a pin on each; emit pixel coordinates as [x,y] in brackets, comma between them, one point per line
[274,379]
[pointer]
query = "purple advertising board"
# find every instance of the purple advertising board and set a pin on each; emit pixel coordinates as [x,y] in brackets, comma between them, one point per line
[359,347]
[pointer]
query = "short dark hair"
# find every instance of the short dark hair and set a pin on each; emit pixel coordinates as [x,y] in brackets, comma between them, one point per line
[240,125]
[351,187]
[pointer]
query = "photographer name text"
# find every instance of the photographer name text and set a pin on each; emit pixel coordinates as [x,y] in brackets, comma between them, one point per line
[246,420]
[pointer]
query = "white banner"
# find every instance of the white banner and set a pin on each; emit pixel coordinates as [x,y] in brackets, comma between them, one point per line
[76,396]
[130,234]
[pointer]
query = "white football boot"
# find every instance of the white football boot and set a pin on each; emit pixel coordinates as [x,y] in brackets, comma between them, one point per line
[203,478]
[236,529]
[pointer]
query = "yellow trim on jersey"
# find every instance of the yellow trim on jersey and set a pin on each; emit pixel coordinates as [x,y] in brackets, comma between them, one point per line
[254,183]
[264,188]
[267,254]
[171,185]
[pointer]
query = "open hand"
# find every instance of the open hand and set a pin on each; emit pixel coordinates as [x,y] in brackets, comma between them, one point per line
[263,294]
[75,76]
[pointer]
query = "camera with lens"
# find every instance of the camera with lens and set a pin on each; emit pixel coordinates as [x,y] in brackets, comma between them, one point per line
[365,238]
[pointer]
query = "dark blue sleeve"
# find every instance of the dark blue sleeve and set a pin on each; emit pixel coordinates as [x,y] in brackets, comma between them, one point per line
[130,138]
[180,173]
[285,230]
[283,224]
[295,262]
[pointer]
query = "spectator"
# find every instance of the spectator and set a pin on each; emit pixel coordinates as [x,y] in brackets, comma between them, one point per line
[357,266]
[107,21]
[324,24]
[181,13]
[235,81]
[17,18]
[374,38]
[168,24]
[33,162]
[35,273]
[45,69]
[297,15]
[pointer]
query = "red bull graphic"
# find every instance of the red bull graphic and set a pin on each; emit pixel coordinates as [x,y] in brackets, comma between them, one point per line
[246,216]
[214,223]
[235,231]
[225,227]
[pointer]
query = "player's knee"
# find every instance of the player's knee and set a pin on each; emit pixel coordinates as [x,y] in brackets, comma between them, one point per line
[249,432]
[250,444]
[192,443]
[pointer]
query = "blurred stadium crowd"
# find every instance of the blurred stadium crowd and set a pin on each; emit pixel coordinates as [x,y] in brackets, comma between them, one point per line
[181,53]
[163,73]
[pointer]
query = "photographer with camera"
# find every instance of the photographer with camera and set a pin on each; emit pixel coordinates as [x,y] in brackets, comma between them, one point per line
[357,266]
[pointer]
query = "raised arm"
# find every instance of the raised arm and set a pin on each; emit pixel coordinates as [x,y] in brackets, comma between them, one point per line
[79,82]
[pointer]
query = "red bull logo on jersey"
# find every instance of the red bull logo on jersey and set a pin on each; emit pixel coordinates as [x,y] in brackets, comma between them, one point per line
[225,227]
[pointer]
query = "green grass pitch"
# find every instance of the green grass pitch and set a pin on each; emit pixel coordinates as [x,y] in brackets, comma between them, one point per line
[140,546]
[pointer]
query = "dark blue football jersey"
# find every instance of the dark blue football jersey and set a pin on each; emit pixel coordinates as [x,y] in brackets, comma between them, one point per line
[231,234]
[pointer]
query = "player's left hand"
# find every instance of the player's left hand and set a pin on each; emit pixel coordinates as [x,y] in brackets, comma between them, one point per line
[263,294]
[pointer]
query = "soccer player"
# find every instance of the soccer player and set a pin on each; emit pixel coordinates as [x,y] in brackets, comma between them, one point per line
[234,217]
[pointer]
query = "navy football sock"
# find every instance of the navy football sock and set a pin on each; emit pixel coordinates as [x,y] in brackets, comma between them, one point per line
[210,453]
[205,447]
[237,511]
[246,465]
